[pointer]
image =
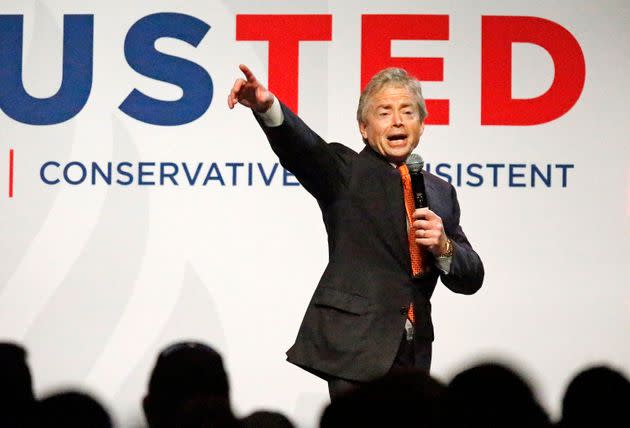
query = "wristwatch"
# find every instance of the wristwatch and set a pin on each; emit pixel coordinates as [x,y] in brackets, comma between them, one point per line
[449,250]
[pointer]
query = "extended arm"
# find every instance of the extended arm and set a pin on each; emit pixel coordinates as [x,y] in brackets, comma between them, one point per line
[317,165]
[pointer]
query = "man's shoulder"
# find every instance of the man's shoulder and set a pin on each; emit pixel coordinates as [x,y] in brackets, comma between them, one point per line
[342,151]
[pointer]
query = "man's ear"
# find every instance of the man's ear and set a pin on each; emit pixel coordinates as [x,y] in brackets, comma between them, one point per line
[363,129]
[421,128]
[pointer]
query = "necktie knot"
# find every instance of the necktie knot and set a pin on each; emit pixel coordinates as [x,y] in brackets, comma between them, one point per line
[403,170]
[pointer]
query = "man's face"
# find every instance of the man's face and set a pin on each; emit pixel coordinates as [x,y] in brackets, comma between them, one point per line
[392,125]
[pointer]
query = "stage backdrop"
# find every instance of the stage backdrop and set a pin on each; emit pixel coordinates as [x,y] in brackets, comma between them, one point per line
[137,210]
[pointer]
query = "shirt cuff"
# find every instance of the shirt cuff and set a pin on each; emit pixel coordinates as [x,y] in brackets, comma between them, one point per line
[444,264]
[274,116]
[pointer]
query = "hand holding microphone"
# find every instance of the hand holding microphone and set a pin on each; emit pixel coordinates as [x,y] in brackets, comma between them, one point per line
[429,230]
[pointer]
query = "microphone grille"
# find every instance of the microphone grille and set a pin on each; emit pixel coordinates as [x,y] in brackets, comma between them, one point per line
[415,163]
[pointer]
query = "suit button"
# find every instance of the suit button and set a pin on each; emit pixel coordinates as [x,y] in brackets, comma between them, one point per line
[404,310]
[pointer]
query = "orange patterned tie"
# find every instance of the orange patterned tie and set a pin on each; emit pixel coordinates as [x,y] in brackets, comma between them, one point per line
[417,259]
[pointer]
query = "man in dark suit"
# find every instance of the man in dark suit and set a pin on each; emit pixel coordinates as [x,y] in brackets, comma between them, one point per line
[370,312]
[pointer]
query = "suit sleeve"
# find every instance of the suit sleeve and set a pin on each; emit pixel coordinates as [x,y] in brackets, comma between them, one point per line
[318,166]
[466,273]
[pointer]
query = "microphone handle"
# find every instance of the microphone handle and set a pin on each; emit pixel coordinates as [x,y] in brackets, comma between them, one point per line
[419,193]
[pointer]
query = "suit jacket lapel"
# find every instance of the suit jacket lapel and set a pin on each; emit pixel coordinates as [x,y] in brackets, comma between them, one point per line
[391,215]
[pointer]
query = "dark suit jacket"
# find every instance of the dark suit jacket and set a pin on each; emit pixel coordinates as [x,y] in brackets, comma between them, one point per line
[354,323]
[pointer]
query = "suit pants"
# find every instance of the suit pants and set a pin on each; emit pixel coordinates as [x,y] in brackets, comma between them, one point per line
[414,353]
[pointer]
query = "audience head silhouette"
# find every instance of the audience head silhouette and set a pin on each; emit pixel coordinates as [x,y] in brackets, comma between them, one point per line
[16,386]
[266,419]
[597,397]
[72,410]
[407,397]
[188,381]
[492,395]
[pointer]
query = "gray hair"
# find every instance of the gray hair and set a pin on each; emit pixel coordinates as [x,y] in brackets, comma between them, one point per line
[391,77]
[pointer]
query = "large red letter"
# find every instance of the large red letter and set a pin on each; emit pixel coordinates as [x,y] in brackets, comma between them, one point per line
[497,105]
[378,31]
[284,33]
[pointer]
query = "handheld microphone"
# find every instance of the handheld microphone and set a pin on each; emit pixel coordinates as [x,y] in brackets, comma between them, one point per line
[415,163]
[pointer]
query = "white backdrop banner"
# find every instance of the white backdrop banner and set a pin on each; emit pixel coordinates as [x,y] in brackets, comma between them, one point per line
[137,209]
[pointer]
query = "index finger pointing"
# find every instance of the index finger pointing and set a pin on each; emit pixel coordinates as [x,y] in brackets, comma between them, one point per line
[248,73]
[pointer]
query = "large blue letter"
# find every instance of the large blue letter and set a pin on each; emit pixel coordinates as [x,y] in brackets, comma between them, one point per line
[142,56]
[76,81]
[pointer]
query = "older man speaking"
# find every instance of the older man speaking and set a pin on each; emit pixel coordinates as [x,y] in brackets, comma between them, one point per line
[371,310]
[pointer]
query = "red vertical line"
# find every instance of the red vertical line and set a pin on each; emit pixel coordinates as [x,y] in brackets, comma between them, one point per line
[11,173]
